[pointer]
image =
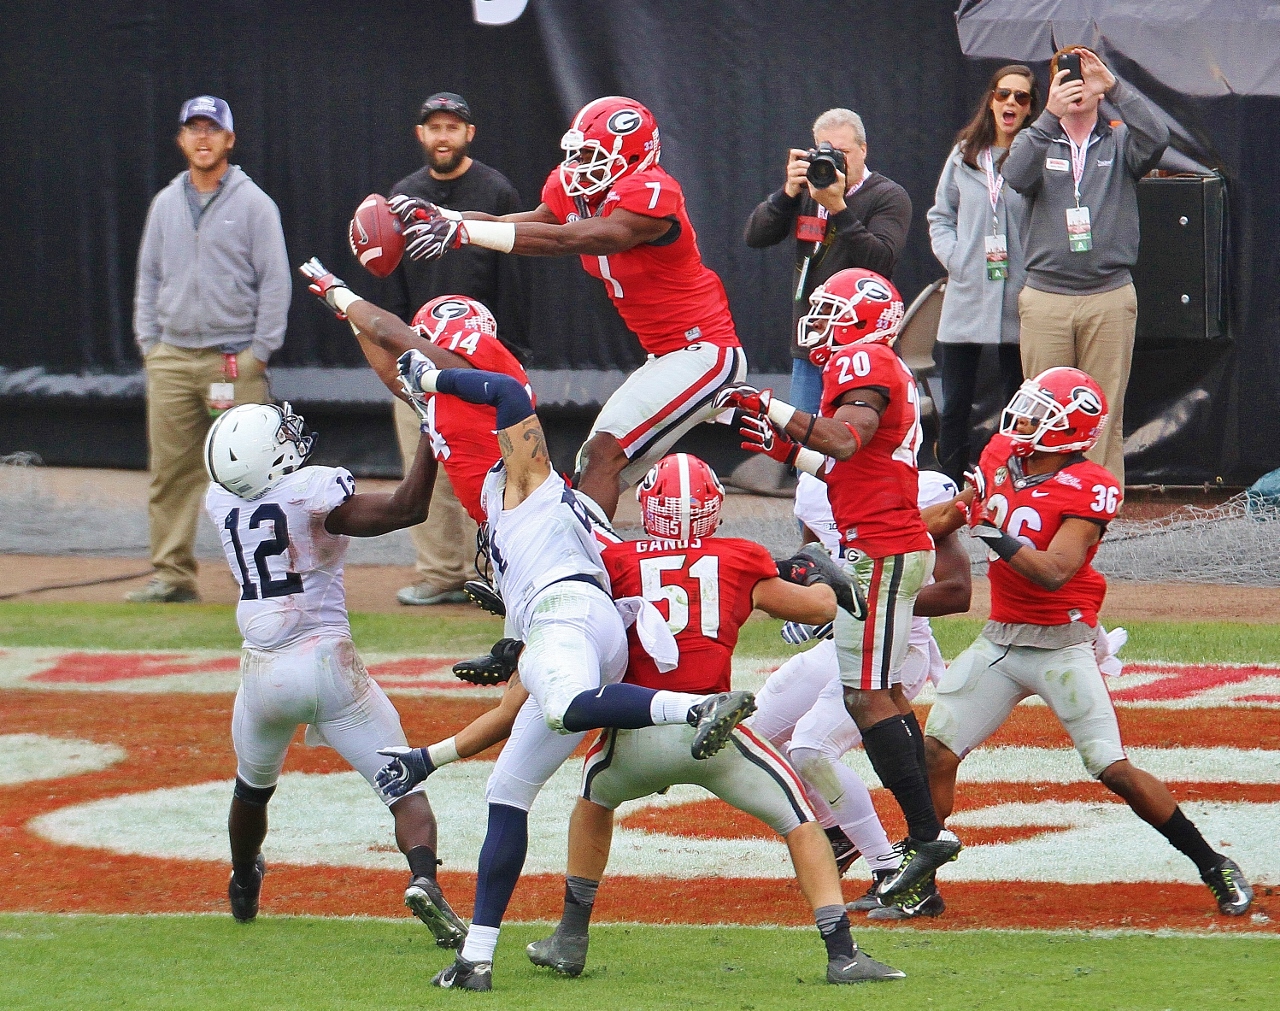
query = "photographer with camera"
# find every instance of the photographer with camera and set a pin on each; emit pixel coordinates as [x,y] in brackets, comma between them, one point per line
[841,214]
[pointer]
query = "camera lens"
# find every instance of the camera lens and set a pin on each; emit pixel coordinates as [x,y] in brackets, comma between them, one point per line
[821,172]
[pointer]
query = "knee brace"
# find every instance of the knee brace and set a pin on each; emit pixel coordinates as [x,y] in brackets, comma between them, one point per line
[258,796]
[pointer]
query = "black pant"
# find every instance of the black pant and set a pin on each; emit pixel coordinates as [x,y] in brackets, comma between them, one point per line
[958,369]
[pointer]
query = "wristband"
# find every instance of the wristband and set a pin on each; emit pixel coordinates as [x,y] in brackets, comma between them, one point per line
[499,235]
[343,297]
[780,412]
[856,437]
[444,752]
[998,541]
[810,461]
[445,212]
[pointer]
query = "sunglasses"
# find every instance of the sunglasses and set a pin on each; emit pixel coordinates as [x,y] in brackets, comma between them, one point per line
[1023,98]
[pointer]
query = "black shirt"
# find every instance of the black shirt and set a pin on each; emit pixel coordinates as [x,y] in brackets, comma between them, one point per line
[486,275]
[870,233]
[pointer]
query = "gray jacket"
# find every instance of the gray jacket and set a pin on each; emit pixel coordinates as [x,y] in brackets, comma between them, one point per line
[1117,158]
[976,310]
[220,283]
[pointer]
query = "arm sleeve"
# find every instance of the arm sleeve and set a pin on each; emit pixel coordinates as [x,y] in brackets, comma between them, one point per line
[497,389]
[944,213]
[1024,167]
[877,242]
[275,281]
[1146,137]
[771,221]
[146,327]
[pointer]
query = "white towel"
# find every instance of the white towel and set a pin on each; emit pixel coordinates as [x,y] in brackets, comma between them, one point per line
[651,627]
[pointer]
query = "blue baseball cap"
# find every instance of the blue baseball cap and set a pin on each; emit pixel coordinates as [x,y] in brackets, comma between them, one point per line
[210,108]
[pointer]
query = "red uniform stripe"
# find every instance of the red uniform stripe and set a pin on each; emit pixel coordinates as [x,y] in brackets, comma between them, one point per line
[676,403]
[769,753]
[869,626]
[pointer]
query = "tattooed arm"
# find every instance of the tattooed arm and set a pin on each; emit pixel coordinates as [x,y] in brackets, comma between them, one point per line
[524,451]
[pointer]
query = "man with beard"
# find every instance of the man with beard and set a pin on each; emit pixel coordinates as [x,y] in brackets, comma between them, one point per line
[444,544]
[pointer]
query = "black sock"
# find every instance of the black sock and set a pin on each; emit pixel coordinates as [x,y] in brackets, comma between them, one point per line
[914,726]
[579,900]
[422,862]
[891,747]
[1186,838]
[833,925]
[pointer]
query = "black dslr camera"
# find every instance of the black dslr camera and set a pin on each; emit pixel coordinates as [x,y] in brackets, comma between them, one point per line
[824,162]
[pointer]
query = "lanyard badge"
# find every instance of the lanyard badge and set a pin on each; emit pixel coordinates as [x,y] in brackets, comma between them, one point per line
[222,396]
[1079,227]
[997,247]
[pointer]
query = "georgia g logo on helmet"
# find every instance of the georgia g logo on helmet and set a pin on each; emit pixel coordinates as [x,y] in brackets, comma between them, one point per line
[1086,400]
[873,288]
[623,122]
[450,309]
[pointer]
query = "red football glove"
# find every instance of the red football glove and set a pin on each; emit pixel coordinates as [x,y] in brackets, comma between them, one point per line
[759,436]
[744,398]
[323,283]
[977,511]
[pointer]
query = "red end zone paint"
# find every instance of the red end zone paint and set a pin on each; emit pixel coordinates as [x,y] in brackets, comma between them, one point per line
[100,668]
[173,740]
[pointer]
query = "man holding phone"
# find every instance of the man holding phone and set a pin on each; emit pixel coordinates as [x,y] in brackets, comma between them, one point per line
[1079,176]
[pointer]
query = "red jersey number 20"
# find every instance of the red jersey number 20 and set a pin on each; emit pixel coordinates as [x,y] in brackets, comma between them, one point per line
[664,577]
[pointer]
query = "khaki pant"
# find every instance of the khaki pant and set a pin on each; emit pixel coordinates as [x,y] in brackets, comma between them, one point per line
[445,543]
[1093,333]
[177,422]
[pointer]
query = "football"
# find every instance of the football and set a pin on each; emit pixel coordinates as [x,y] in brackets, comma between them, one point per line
[375,236]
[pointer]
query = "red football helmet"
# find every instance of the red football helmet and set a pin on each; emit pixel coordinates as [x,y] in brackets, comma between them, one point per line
[610,138]
[680,498]
[1066,407]
[853,306]
[447,315]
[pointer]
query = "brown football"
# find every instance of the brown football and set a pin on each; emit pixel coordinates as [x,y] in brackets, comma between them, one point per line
[375,236]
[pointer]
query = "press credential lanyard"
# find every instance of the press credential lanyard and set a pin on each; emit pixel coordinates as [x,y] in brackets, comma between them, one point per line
[1079,227]
[817,246]
[997,248]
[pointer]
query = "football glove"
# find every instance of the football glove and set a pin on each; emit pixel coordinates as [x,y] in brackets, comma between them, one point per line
[494,667]
[848,593]
[324,283]
[411,209]
[418,373]
[745,398]
[431,238]
[760,436]
[796,632]
[408,767]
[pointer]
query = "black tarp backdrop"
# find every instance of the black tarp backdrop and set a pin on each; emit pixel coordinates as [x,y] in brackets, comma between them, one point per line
[324,108]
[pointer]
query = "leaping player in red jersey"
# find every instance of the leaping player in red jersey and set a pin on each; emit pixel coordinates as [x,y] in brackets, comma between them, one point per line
[863,445]
[610,203]
[1042,510]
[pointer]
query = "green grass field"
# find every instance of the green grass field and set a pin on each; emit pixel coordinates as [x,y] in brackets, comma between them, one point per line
[171,962]
[212,626]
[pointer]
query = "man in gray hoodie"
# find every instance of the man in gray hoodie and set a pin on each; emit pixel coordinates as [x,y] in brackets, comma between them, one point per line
[1079,177]
[210,308]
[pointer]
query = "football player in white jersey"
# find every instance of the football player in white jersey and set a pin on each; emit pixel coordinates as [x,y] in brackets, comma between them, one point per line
[285,530]
[556,589]
[801,707]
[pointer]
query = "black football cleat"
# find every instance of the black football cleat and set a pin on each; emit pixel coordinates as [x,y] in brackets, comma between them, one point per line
[464,975]
[428,903]
[924,900]
[715,717]
[1229,887]
[862,968]
[869,900]
[244,894]
[565,953]
[484,596]
[919,860]
[495,667]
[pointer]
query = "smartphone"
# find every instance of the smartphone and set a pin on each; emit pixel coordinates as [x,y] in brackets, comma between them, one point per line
[1070,62]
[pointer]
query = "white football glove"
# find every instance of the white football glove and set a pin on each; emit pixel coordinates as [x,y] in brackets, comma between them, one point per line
[418,374]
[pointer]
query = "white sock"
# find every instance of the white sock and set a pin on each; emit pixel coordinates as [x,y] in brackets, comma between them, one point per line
[480,944]
[667,708]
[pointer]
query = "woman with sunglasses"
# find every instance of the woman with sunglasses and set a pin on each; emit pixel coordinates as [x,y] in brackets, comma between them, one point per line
[975,230]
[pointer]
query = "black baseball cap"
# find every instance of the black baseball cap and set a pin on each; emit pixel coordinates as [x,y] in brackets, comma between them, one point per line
[445,101]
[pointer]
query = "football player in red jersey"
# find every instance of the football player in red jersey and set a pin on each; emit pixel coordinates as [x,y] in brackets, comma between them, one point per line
[1042,509]
[610,203]
[864,446]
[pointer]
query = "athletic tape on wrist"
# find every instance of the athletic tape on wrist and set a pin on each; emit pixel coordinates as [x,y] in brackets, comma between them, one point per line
[444,752]
[810,461]
[343,297]
[780,412]
[499,235]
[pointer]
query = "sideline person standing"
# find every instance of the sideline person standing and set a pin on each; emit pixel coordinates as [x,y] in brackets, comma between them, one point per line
[1079,175]
[860,220]
[975,228]
[445,544]
[210,308]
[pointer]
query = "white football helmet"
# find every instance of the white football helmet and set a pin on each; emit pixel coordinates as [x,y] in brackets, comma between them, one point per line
[251,447]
